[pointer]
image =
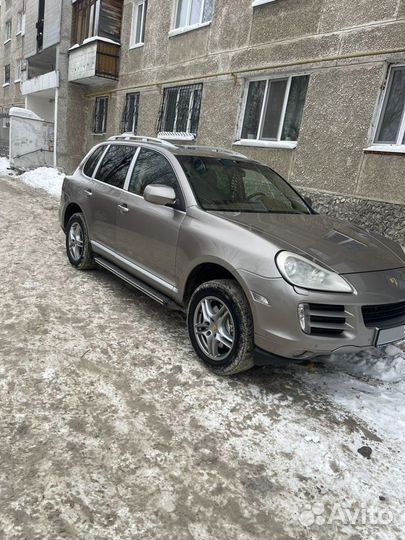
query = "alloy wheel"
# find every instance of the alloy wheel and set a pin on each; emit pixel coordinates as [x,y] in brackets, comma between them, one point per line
[214,328]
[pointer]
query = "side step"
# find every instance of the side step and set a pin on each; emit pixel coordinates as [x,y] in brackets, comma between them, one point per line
[137,283]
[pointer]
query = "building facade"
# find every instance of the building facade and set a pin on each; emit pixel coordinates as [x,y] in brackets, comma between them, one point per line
[315,88]
[12,22]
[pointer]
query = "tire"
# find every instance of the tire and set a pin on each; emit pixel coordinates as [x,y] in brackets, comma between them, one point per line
[233,353]
[79,252]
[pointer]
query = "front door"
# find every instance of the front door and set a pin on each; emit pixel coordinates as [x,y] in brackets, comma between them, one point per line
[147,233]
[106,190]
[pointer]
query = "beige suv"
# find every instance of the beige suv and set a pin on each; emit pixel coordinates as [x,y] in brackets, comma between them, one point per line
[262,277]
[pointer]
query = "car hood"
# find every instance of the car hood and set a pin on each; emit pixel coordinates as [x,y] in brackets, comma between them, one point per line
[337,244]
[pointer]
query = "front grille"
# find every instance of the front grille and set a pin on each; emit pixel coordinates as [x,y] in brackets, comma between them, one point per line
[384,315]
[326,319]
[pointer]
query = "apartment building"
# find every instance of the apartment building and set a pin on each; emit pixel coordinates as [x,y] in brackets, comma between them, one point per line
[315,88]
[12,29]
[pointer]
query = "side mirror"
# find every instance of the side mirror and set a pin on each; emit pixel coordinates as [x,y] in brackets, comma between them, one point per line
[159,194]
[309,201]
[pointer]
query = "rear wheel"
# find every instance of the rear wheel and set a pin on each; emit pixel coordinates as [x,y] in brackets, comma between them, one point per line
[78,247]
[220,326]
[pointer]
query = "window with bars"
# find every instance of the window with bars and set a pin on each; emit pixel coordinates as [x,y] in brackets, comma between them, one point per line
[193,12]
[138,23]
[129,122]
[100,115]
[7,74]
[180,112]
[274,109]
[391,122]
[86,17]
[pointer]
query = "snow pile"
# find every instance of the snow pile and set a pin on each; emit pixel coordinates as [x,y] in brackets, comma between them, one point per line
[4,165]
[46,178]
[369,386]
[387,365]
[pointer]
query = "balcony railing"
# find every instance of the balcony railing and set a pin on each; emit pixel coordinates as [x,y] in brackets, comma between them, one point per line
[108,60]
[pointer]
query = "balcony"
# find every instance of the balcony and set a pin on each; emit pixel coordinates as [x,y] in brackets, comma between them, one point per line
[41,83]
[95,62]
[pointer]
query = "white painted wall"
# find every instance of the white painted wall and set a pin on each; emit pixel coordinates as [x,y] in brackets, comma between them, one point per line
[44,107]
[82,62]
[31,140]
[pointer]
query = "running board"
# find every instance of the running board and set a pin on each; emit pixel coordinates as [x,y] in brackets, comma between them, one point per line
[136,283]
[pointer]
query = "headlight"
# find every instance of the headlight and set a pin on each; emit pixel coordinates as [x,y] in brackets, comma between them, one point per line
[304,273]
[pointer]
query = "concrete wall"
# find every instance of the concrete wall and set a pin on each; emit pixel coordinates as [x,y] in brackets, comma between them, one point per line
[10,53]
[72,105]
[52,24]
[345,46]
[31,141]
[31,18]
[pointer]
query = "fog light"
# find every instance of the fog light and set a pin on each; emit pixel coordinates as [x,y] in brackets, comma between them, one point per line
[304,318]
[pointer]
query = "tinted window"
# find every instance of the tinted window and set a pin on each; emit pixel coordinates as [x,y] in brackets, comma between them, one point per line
[153,168]
[239,186]
[114,167]
[93,160]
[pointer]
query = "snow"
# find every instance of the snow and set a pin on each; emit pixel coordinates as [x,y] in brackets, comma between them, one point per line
[4,165]
[371,387]
[46,178]
[23,113]
[100,38]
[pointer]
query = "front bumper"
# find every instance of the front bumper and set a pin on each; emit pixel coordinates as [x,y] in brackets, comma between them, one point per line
[277,327]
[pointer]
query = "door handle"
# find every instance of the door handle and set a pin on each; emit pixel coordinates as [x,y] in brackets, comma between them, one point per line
[123,208]
[88,192]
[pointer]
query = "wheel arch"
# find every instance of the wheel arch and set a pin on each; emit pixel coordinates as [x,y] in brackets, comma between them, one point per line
[72,208]
[207,271]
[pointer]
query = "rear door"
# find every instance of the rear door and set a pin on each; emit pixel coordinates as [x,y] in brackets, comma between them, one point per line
[147,233]
[109,179]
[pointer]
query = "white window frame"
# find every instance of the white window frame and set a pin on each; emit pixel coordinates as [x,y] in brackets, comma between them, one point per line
[20,30]
[8,30]
[188,27]
[133,44]
[398,147]
[18,70]
[261,2]
[289,145]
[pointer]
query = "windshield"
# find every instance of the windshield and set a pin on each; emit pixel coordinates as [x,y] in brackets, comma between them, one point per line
[238,186]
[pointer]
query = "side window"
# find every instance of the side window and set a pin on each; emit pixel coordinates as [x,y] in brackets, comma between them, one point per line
[91,163]
[274,109]
[153,168]
[114,167]
[391,124]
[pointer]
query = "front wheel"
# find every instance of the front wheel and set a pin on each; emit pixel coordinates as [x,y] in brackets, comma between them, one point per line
[220,326]
[78,247]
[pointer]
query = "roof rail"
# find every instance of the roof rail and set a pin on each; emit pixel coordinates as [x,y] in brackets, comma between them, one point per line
[141,138]
[215,149]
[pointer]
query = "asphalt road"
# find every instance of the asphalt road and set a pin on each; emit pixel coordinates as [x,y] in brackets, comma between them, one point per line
[110,428]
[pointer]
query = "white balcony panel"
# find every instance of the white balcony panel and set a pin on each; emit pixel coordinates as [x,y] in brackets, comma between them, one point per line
[39,84]
[82,62]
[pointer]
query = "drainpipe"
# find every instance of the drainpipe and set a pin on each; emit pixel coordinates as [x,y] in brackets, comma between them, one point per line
[55,120]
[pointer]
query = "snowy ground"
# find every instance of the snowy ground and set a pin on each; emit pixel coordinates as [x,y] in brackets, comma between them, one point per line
[46,178]
[111,429]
